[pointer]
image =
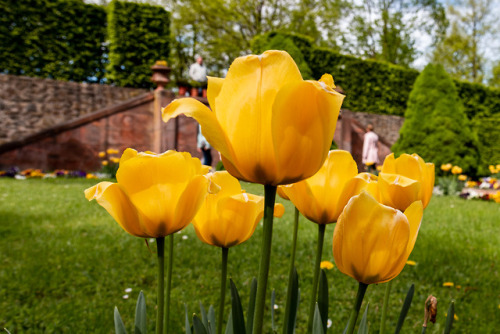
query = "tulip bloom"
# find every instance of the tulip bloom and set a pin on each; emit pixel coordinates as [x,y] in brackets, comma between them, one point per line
[456,170]
[320,198]
[372,242]
[413,167]
[156,194]
[230,216]
[270,126]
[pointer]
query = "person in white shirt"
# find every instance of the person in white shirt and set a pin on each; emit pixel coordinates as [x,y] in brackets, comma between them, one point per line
[370,150]
[198,71]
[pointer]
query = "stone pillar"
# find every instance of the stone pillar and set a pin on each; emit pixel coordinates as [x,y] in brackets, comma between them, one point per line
[162,97]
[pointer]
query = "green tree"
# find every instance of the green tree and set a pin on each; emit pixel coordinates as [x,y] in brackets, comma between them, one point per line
[435,125]
[384,29]
[495,78]
[461,52]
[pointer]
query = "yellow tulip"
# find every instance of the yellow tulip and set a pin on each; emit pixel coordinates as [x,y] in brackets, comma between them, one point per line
[362,181]
[155,194]
[112,151]
[413,167]
[102,154]
[320,198]
[456,170]
[281,193]
[462,177]
[230,216]
[372,242]
[270,126]
[446,167]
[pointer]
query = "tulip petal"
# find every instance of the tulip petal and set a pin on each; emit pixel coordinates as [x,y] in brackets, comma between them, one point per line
[414,213]
[303,123]
[428,185]
[398,191]
[210,127]
[110,196]
[189,203]
[279,210]
[213,90]
[362,181]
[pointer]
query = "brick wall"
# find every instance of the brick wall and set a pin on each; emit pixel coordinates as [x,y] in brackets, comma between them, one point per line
[29,105]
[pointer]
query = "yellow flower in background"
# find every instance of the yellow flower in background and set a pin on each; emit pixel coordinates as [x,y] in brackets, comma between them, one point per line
[230,216]
[270,126]
[90,176]
[471,184]
[279,210]
[372,242]
[114,160]
[320,198]
[112,151]
[105,162]
[448,284]
[456,170]
[446,167]
[462,177]
[102,154]
[155,194]
[326,265]
[411,263]
[413,167]
[496,197]
[398,191]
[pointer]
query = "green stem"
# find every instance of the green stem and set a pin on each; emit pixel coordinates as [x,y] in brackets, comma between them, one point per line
[225,253]
[160,247]
[269,198]
[388,287]
[170,239]
[424,329]
[314,295]
[357,305]
[290,272]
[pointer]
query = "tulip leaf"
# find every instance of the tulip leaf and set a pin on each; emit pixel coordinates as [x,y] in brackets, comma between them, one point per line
[323,298]
[187,324]
[229,326]
[251,306]
[317,323]
[238,319]
[204,318]
[291,314]
[405,308]
[363,325]
[119,326]
[449,318]
[211,319]
[198,326]
[273,299]
[297,310]
[140,326]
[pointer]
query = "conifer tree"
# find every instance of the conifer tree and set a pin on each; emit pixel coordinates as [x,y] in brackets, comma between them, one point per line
[436,126]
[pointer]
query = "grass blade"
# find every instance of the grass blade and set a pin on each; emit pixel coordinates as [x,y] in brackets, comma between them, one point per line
[291,311]
[229,326]
[186,322]
[211,319]
[273,299]
[119,325]
[140,326]
[323,298]
[251,306]
[363,325]
[449,318]
[204,318]
[198,326]
[405,308]
[238,319]
[317,323]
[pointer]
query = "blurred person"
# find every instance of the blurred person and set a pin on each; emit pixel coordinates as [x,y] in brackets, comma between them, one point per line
[370,150]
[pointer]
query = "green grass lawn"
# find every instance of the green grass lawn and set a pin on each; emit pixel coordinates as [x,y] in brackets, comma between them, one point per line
[65,264]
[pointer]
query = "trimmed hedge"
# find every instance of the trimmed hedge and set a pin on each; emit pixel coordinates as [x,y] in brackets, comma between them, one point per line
[139,35]
[66,40]
[59,39]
